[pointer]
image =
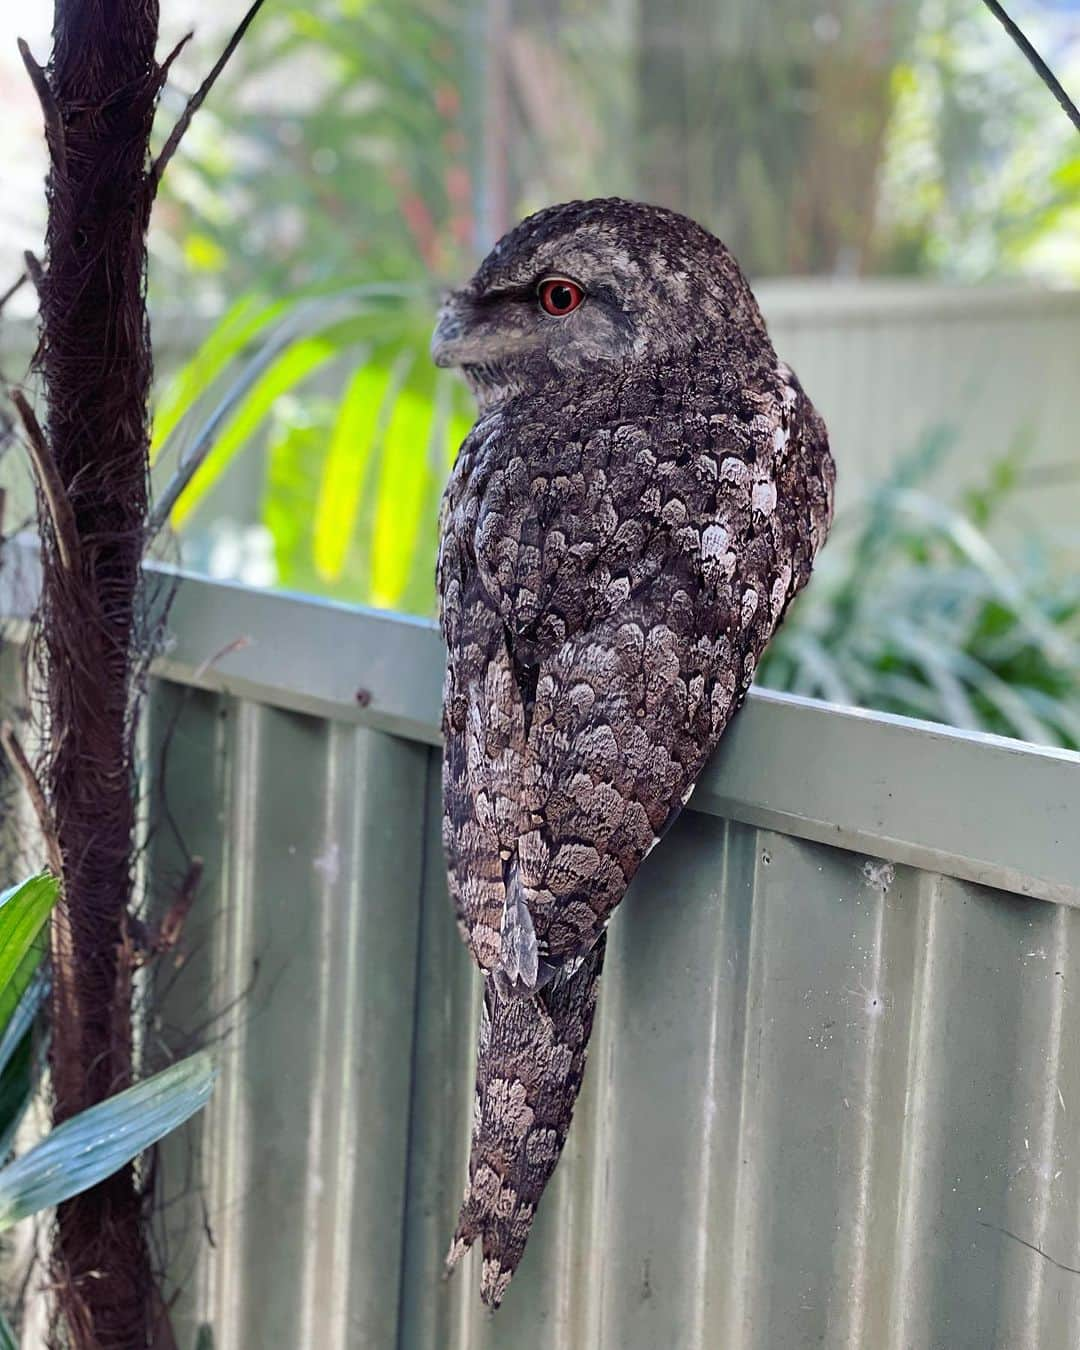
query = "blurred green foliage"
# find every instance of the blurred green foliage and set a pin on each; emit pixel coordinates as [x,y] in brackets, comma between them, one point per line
[366,147]
[393,139]
[981,170]
[292,207]
[355,468]
[914,611]
[335,152]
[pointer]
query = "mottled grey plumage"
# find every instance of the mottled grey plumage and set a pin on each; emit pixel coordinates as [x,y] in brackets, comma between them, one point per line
[642,495]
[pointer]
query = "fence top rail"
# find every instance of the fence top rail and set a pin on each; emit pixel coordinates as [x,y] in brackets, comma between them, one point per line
[982,808]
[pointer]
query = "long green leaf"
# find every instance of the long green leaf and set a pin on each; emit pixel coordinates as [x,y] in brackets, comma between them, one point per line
[18,1083]
[236,328]
[27,1008]
[23,1049]
[20,1001]
[7,1335]
[345,467]
[24,910]
[290,491]
[403,473]
[292,367]
[315,326]
[307,312]
[98,1142]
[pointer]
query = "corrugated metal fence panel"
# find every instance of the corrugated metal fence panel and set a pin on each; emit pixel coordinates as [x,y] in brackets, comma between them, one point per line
[834,1091]
[302,972]
[820,1098]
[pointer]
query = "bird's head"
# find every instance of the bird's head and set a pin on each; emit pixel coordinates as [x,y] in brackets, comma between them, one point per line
[586,288]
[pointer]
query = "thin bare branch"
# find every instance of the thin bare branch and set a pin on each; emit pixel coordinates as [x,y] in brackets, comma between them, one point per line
[23,770]
[171,927]
[34,270]
[13,289]
[1038,64]
[197,99]
[166,65]
[145,944]
[238,644]
[1005,1232]
[54,123]
[49,481]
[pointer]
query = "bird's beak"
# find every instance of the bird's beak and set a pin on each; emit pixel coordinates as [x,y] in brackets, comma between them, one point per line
[447,340]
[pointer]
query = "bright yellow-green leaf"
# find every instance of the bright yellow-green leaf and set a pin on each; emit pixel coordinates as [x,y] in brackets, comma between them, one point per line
[295,364]
[403,477]
[345,467]
[1067,175]
[24,910]
[203,254]
[231,334]
[20,982]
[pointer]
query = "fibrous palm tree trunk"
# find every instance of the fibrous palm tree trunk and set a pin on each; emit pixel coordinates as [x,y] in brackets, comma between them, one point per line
[98,93]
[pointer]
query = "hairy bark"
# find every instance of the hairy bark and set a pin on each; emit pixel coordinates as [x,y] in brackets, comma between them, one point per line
[98,96]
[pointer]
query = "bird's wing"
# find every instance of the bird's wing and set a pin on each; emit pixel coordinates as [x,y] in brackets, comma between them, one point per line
[483,722]
[628,707]
[605,605]
[624,718]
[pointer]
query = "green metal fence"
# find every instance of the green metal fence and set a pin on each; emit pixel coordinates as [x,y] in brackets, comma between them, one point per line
[834,1091]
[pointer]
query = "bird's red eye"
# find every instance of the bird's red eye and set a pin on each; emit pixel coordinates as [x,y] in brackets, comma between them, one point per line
[560,296]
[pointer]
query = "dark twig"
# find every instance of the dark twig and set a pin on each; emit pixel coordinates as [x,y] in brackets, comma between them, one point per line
[166,65]
[54,123]
[169,930]
[145,943]
[49,481]
[197,99]
[1005,1232]
[172,921]
[13,290]
[24,772]
[34,270]
[1038,64]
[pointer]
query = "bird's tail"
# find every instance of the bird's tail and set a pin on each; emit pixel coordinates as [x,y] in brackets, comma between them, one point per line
[529,1069]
